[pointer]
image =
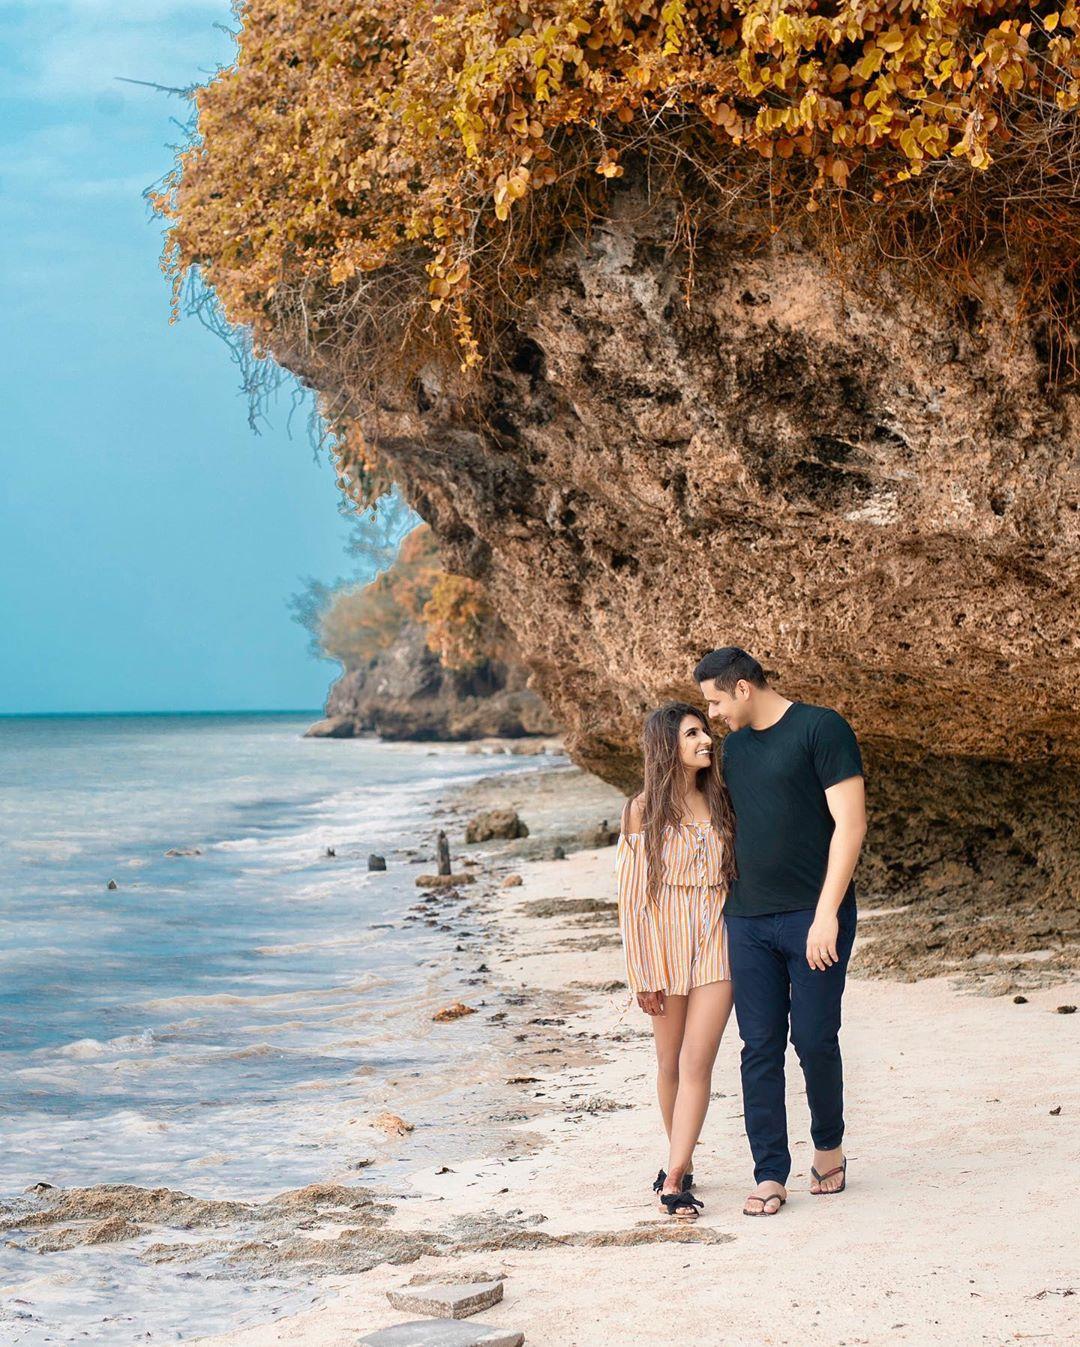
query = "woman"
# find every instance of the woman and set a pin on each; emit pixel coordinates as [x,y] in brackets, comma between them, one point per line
[674,862]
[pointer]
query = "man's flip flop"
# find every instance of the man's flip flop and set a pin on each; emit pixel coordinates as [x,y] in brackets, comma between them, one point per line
[757,1197]
[820,1178]
[683,1206]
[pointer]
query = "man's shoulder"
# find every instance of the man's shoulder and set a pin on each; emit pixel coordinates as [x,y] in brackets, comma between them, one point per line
[821,717]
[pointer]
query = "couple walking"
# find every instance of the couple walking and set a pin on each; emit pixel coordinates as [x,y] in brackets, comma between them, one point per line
[735,884]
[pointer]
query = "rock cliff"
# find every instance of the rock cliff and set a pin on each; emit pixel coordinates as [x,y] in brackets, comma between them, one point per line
[406,693]
[424,657]
[877,494]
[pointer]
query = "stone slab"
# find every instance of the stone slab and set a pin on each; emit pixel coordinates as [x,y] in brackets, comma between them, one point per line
[444,1300]
[442,1333]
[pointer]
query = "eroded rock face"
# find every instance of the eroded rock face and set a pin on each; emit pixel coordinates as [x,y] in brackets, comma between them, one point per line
[406,693]
[878,498]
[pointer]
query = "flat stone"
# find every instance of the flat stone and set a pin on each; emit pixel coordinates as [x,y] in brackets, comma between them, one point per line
[443,1300]
[442,1333]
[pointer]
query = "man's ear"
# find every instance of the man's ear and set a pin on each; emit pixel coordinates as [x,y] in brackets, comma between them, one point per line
[742,689]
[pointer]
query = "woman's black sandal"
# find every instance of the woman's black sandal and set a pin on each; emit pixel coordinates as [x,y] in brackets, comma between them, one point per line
[661,1179]
[684,1206]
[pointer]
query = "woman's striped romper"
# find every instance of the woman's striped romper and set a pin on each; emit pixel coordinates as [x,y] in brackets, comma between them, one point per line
[676,940]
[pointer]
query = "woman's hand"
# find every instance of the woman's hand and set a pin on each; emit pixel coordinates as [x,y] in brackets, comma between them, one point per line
[821,942]
[652,1003]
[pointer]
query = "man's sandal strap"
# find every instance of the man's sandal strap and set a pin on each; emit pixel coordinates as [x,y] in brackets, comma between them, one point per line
[756,1196]
[822,1177]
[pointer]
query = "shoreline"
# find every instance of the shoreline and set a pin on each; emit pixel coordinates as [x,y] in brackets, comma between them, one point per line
[173,1138]
[955,1228]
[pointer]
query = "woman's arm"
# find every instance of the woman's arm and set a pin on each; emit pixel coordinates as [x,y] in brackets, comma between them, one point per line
[634,925]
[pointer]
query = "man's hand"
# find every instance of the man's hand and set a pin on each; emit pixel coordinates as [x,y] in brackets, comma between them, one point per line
[652,1003]
[821,942]
[847,805]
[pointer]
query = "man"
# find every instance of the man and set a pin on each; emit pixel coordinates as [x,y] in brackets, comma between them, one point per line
[795,776]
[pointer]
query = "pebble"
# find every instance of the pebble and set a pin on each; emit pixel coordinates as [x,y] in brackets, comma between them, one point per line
[1020,1000]
[392,1124]
[1066,1010]
[376,862]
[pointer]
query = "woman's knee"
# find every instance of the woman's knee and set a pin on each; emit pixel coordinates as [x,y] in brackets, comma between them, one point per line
[695,1064]
[667,1067]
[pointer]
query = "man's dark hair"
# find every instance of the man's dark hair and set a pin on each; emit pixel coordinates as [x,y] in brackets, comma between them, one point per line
[727,666]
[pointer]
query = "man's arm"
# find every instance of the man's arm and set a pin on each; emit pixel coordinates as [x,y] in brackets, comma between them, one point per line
[847,805]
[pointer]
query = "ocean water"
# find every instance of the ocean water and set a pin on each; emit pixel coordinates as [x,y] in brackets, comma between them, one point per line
[218,1022]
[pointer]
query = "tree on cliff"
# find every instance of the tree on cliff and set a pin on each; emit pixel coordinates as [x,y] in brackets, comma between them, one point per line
[458,622]
[395,172]
[377,534]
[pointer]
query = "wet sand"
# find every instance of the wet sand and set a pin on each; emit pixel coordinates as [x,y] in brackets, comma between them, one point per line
[959,1225]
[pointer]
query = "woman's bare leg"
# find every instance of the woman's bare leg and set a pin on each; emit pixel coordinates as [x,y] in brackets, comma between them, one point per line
[668,1037]
[706,1017]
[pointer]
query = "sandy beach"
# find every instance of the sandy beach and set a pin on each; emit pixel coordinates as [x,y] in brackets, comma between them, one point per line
[959,1225]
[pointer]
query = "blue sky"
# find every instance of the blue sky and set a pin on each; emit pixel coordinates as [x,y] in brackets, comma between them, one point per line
[149,542]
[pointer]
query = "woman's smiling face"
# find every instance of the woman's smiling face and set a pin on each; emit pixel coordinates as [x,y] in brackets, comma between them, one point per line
[695,744]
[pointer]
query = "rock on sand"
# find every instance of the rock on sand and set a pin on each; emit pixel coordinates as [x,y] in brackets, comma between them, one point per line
[493,823]
[442,1333]
[444,1301]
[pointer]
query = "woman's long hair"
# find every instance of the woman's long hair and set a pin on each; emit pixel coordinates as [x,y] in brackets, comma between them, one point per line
[662,797]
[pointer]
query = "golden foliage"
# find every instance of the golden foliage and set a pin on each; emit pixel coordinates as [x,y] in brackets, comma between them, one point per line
[459,625]
[358,138]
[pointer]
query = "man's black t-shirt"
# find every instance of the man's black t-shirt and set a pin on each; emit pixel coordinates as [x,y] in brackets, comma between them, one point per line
[778,778]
